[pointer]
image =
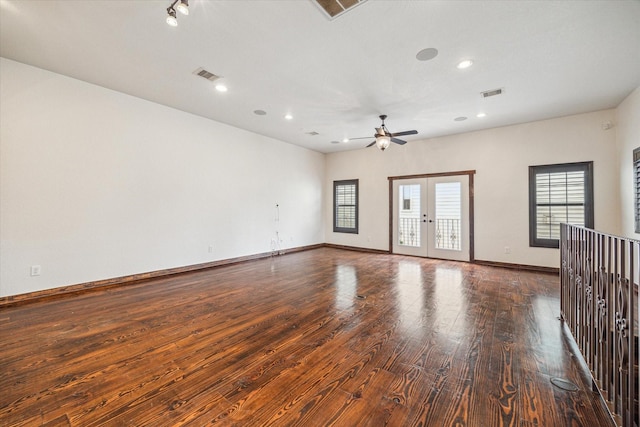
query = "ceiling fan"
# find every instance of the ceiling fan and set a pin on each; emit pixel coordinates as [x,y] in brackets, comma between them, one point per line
[383,137]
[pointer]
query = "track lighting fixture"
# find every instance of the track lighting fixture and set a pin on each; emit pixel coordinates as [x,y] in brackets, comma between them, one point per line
[182,7]
[171,18]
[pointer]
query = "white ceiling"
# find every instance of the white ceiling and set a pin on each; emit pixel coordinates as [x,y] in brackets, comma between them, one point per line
[553,58]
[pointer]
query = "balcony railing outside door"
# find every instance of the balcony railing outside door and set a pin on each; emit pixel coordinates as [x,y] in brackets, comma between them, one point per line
[447,233]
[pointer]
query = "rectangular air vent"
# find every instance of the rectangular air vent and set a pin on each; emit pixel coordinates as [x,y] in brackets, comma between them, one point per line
[206,74]
[335,8]
[493,92]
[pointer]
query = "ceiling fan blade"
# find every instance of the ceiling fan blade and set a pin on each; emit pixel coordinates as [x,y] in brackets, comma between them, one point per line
[406,132]
[361,137]
[373,143]
[398,141]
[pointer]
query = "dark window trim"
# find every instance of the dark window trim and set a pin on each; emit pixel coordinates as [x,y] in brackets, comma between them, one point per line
[587,167]
[336,184]
[636,186]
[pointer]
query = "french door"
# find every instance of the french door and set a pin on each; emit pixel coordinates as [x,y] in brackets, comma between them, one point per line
[431,217]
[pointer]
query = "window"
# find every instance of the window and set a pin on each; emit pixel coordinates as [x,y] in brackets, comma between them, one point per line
[558,194]
[636,185]
[406,197]
[345,206]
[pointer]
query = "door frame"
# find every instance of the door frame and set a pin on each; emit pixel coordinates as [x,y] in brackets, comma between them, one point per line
[470,173]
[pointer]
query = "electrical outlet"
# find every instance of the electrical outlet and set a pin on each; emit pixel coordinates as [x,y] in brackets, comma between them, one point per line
[36,270]
[507,250]
[210,249]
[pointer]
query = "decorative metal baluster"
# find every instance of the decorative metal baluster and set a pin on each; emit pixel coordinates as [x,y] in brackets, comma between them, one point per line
[563,271]
[579,297]
[589,295]
[633,350]
[582,249]
[625,336]
[611,348]
[588,316]
[623,348]
[633,358]
[453,236]
[603,329]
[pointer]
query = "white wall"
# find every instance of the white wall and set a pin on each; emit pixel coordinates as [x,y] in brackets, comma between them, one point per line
[501,158]
[628,137]
[95,184]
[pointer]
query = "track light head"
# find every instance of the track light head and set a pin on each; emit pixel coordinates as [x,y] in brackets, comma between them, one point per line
[183,7]
[171,18]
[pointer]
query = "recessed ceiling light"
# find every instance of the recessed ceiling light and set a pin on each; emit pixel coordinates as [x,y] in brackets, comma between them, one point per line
[481,115]
[335,142]
[464,64]
[221,88]
[427,54]
[260,112]
[288,117]
[345,140]
[460,119]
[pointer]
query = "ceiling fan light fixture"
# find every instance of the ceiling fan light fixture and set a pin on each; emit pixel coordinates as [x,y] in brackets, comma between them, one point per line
[383,142]
[183,7]
[171,18]
[383,138]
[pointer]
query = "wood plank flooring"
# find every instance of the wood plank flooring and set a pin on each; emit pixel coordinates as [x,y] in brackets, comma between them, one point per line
[316,338]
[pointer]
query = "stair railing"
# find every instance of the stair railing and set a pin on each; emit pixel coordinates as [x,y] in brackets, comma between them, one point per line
[599,304]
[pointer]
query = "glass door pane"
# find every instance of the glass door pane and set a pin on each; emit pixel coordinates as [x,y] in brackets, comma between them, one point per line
[409,215]
[409,223]
[448,215]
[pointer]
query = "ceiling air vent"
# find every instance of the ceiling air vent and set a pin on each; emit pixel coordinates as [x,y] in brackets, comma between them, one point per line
[206,74]
[335,8]
[493,92]
[313,133]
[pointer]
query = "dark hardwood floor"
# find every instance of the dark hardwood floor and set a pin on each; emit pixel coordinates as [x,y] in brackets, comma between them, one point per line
[322,337]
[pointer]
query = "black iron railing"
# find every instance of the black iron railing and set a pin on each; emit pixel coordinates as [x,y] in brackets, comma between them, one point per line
[409,232]
[599,303]
[448,234]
